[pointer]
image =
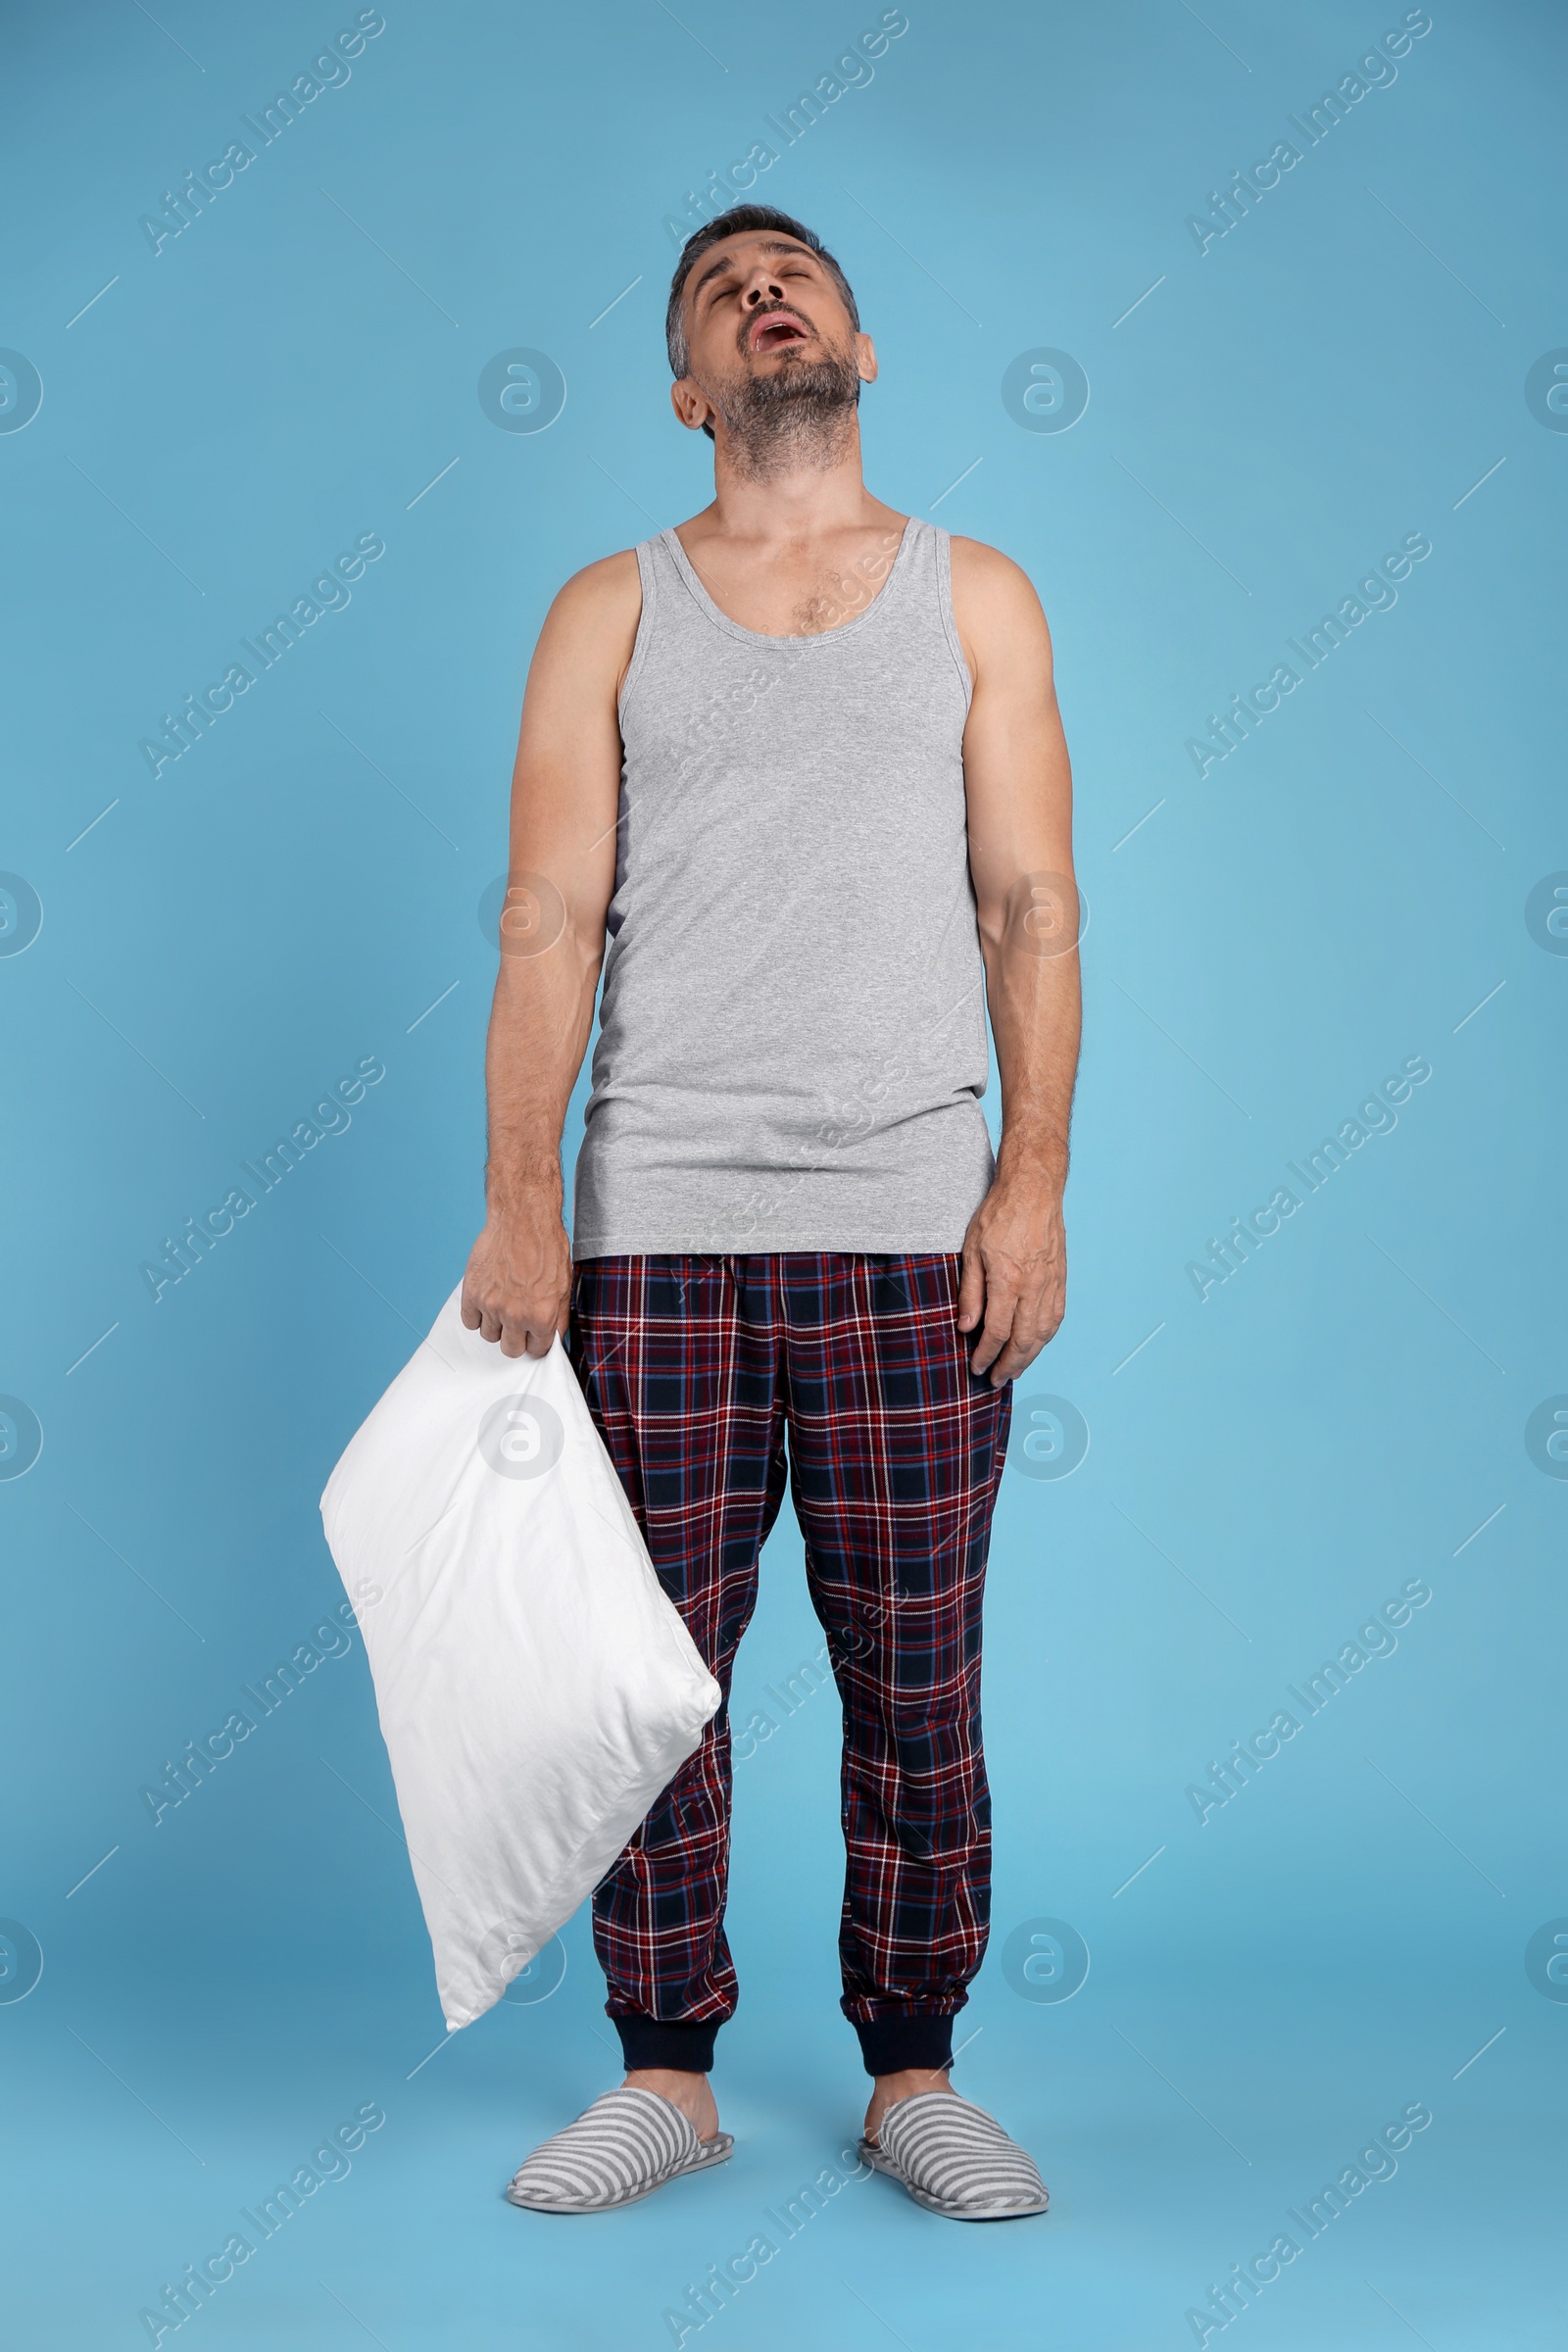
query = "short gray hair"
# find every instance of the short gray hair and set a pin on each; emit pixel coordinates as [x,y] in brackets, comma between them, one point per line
[735,222]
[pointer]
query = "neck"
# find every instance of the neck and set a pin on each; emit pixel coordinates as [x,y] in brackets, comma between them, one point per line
[809,495]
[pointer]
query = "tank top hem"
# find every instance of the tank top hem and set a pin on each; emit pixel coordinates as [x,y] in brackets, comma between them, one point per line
[647,622]
[639,1241]
[950,627]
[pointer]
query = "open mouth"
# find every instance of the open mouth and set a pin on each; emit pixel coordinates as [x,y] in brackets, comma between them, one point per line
[775,329]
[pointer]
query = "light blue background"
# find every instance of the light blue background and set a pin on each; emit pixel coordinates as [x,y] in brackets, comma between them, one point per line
[301,889]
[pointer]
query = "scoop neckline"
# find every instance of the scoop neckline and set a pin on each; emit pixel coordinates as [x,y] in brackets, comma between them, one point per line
[736,628]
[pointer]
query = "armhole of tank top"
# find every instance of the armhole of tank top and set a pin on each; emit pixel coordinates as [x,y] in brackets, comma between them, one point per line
[950,627]
[645,629]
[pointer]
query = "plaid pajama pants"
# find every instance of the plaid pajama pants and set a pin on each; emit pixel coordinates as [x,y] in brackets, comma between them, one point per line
[696,1369]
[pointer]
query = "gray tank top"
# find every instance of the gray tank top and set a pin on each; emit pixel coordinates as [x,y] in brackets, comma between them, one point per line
[792,1043]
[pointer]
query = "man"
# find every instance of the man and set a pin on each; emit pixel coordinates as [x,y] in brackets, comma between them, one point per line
[800,760]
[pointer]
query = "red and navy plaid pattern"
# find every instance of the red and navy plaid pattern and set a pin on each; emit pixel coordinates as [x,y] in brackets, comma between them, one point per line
[709,1377]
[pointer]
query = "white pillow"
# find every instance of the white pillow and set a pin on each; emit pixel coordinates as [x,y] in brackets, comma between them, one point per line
[536,1688]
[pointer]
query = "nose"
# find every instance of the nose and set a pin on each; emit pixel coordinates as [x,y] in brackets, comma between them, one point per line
[763,293]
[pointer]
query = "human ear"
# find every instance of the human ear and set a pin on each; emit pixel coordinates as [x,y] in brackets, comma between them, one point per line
[691,405]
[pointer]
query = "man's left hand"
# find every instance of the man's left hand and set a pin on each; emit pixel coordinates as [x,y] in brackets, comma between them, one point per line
[1014,1281]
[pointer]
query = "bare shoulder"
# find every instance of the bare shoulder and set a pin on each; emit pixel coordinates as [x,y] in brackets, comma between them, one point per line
[590,629]
[991,579]
[995,604]
[601,595]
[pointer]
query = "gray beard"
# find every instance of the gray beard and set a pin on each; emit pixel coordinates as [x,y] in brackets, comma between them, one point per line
[803,415]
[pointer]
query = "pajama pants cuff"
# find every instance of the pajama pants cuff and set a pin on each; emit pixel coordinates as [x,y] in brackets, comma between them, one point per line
[688,2050]
[889,2045]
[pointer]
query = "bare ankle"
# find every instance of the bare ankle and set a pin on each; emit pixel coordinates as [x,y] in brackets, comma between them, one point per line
[907,2084]
[692,2093]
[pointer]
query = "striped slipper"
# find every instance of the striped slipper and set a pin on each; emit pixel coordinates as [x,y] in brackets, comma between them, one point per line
[624,2147]
[954,2160]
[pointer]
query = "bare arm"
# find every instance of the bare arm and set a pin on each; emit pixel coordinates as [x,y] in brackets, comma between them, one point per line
[1018,787]
[562,871]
